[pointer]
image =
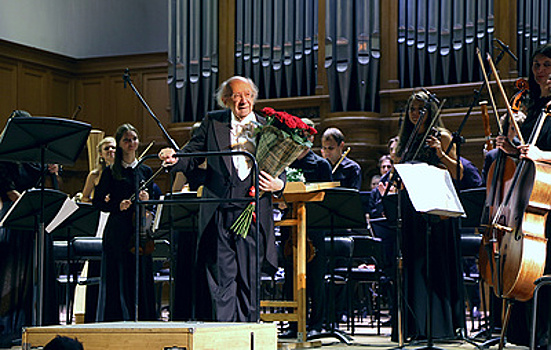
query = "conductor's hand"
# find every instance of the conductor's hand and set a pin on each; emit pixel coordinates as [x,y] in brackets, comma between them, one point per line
[167,156]
[125,204]
[268,183]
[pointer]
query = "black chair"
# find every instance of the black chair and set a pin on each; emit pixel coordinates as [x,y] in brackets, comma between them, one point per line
[470,245]
[540,282]
[365,280]
[339,252]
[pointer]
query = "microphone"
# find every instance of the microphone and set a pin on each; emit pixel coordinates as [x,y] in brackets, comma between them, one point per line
[505,48]
[126,76]
[431,96]
[76,112]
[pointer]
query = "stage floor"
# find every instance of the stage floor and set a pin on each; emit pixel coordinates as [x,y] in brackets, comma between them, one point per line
[366,337]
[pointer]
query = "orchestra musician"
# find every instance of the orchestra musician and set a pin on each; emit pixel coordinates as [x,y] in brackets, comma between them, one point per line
[226,272]
[105,157]
[538,97]
[345,170]
[447,309]
[113,195]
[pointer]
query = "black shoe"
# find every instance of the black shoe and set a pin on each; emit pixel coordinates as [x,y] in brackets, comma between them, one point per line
[287,334]
[313,333]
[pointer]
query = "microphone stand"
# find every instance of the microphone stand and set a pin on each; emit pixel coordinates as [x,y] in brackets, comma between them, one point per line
[127,80]
[174,145]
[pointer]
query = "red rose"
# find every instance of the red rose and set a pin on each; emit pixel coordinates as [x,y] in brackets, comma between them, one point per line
[291,122]
[268,111]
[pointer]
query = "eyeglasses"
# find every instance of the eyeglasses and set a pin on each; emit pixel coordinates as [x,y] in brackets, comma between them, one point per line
[236,96]
[107,148]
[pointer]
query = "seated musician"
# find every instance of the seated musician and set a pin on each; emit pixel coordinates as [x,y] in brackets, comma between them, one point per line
[345,170]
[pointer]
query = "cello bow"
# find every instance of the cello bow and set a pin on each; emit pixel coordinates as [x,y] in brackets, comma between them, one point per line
[504,95]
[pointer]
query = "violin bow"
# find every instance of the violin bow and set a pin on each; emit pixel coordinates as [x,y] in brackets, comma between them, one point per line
[429,128]
[504,95]
[490,93]
[146,149]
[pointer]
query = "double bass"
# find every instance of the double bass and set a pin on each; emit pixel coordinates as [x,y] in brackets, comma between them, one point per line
[498,182]
[521,219]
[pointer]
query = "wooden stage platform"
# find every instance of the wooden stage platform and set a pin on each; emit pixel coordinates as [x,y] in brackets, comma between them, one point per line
[159,335]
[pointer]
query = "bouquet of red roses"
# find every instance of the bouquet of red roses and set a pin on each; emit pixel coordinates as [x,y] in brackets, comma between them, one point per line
[279,142]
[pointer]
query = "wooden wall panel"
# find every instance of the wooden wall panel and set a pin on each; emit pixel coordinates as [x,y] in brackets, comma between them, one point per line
[8,89]
[122,106]
[90,96]
[62,96]
[32,92]
[155,87]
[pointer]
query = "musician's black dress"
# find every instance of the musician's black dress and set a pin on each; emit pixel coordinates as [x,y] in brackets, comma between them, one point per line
[447,311]
[117,289]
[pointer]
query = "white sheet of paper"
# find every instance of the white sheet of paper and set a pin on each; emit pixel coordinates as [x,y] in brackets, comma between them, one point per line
[68,208]
[430,189]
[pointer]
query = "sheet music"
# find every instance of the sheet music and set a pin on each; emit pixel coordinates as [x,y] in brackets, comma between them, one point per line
[430,189]
[158,214]
[103,216]
[68,208]
[12,208]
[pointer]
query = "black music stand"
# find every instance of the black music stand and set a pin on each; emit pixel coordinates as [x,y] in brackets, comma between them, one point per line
[45,140]
[182,214]
[81,223]
[340,209]
[25,214]
[431,192]
[473,201]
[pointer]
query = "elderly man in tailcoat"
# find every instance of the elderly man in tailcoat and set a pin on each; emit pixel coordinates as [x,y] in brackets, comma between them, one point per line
[226,270]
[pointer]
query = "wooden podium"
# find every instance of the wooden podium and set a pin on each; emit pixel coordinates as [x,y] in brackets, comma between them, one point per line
[298,194]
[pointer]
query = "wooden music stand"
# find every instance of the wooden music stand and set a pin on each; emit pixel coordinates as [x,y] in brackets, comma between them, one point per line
[298,304]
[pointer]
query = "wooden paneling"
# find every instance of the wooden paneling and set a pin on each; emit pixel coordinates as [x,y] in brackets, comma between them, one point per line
[155,87]
[62,96]
[8,89]
[122,106]
[32,92]
[90,96]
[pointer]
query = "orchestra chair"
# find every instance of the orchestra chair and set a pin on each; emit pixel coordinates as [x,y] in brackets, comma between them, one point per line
[540,282]
[73,254]
[339,253]
[470,244]
[365,275]
[162,276]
